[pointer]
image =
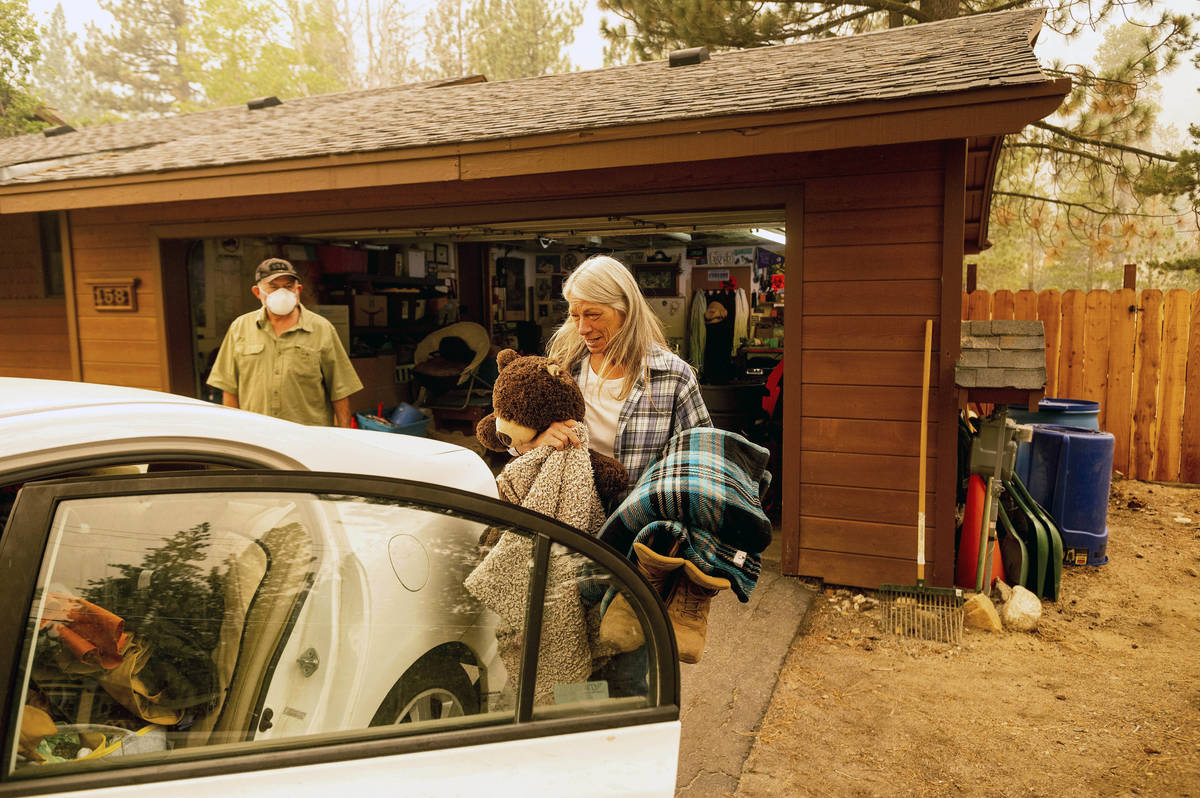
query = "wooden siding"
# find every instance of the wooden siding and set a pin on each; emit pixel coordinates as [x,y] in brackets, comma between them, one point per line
[118,347]
[871,275]
[22,276]
[33,328]
[34,340]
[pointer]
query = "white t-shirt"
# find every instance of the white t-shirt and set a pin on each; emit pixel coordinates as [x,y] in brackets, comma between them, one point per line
[603,409]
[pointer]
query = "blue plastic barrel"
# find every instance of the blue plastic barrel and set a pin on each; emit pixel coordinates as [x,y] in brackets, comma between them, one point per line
[1070,473]
[1064,412]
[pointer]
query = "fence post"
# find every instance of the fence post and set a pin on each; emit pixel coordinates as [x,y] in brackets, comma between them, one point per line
[972,277]
[1130,276]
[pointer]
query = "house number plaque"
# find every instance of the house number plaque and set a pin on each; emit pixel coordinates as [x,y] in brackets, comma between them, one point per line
[118,293]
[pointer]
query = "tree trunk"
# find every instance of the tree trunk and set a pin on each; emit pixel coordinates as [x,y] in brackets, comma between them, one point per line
[940,9]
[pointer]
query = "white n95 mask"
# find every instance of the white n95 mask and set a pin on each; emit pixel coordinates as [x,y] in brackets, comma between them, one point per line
[281,301]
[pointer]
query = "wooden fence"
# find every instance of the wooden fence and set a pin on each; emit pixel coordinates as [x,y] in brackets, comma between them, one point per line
[1136,353]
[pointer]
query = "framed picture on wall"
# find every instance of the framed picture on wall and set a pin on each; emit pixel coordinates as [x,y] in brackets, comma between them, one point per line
[510,273]
[441,253]
[657,279]
[546,264]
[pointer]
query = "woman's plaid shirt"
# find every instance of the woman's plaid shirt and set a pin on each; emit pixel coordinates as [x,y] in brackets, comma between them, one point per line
[657,408]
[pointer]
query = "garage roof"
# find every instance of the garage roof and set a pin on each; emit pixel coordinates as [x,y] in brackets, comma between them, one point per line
[983,51]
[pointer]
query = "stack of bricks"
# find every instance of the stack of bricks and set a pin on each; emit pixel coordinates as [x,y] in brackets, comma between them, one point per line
[1003,353]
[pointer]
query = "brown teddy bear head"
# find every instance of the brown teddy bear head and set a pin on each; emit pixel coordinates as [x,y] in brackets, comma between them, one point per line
[530,394]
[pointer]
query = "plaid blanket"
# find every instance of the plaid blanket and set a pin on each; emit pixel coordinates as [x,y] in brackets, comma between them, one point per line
[706,493]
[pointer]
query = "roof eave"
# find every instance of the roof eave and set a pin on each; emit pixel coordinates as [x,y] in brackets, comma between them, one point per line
[984,111]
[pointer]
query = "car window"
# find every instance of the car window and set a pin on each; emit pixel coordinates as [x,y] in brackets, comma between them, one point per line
[175,626]
[8,492]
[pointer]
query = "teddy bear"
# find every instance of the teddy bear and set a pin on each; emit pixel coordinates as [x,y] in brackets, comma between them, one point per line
[572,486]
[530,394]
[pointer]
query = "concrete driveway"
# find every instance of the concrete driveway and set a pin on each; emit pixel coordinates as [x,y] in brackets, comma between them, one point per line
[726,694]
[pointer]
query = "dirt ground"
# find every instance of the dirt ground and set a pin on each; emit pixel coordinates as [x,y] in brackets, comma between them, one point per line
[1102,699]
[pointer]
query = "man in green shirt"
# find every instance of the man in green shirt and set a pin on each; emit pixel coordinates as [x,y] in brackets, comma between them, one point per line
[284,360]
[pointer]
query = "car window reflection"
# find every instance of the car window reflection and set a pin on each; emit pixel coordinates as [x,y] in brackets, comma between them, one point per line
[170,626]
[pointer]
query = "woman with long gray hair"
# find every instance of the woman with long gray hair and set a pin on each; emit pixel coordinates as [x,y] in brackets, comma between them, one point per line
[638,393]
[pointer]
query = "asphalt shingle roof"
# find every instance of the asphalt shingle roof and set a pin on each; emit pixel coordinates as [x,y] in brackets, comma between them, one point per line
[987,50]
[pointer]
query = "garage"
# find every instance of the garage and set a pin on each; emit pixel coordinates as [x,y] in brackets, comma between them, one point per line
[428,205]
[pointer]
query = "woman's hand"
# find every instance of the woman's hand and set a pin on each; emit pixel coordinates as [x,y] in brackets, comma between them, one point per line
[559,435]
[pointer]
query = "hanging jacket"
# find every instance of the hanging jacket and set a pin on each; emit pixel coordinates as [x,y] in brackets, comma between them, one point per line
[696,331]
[741,318]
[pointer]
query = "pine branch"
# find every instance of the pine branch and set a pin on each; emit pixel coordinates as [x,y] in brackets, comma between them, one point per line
[898,7]
[828,25]
[1098,211]
[1112,145]
[1003,7]
[1064,151]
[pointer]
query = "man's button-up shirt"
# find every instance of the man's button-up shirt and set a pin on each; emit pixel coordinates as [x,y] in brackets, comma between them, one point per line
[294,376]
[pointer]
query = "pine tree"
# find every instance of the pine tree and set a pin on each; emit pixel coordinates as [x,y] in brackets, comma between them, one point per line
[19,50]
[1087,204]
[391,44]
[59,77]
[237,55]
[521,38]
[322,35]
[448,31]
[141,65]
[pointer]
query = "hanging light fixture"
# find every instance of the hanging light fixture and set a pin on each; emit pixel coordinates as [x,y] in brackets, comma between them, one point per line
[768,235]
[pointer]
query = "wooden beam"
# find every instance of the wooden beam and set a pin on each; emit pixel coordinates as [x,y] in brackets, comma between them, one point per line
[979,242]
[68,264]
[1130,281]
[945,412]
[492,214]
[793,409]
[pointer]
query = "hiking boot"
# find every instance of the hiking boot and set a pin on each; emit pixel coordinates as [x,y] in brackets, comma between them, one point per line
[688,609]
[620,627]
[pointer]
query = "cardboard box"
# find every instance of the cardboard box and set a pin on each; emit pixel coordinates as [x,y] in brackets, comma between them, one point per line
[339,317]
[378,375]
[370,310]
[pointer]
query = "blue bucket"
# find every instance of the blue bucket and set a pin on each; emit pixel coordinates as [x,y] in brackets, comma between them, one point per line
[398,420]
[1070,474]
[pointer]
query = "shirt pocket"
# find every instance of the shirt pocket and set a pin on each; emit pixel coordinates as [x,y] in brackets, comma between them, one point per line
[248,356]
[306,365]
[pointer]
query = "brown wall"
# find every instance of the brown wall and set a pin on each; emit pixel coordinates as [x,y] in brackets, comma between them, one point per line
[33,328]
[871,275]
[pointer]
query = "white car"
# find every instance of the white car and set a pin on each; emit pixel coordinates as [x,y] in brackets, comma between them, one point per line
[212,601]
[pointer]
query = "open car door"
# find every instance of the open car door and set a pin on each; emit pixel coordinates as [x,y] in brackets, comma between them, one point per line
[302,634]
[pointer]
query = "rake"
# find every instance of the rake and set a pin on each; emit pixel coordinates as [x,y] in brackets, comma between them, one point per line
[928,613]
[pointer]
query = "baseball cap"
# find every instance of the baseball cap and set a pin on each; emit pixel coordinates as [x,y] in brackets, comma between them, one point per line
[273,267]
